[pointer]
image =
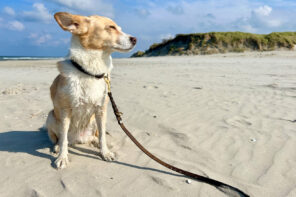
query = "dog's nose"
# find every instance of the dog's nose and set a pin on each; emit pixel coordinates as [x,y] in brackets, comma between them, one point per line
[133,40]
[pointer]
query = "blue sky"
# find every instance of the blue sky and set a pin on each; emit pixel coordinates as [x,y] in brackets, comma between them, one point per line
[27,27]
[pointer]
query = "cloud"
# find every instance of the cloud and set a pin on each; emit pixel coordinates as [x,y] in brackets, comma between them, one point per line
[88,6]
[188,16]
[39,39]
[166,36]
[9,11]
[39,13]
[47,39]
[262,18]
[263,10]
[15,25]
[149,21]
[42,39]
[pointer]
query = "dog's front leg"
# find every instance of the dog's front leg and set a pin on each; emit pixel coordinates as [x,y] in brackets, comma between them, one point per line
[62,160]
[101,117]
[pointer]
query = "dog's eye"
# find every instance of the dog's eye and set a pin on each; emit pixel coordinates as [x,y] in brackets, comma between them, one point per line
[112,27]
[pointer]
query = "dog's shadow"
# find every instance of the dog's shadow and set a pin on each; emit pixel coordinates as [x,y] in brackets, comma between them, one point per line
[94,155]
[25,142]
[31,141]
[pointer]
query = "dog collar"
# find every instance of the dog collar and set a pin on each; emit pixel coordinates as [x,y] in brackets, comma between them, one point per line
[80,68]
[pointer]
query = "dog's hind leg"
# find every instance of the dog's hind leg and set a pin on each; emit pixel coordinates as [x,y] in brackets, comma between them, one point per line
[95,140]
[51,125]
[63,127]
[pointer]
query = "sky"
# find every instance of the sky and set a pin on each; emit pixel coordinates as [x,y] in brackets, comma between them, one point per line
[27,27]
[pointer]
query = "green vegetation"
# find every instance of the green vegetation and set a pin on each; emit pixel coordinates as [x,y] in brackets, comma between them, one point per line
[138,54]
[220,42]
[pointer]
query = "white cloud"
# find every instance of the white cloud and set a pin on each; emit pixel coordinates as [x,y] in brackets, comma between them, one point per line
[167,36]
[39,39]
[261,20]
[263,10]
[43,38]
[15,25]
[184,16]
[262,17]
[47,39]
[9,11]
[88,6]
[40,13]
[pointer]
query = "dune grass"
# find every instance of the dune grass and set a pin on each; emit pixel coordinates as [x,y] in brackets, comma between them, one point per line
[219,42]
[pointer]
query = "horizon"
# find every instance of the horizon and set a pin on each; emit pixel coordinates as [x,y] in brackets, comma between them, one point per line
[28,28]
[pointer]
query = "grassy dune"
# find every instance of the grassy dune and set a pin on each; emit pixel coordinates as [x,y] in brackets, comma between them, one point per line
[220,42]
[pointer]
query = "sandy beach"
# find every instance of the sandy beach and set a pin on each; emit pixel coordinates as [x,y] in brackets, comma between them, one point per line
[230,117]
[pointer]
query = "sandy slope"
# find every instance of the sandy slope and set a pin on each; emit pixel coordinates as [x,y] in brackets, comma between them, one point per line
[229,117]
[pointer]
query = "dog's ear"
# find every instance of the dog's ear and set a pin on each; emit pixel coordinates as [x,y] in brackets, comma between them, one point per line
[73,23]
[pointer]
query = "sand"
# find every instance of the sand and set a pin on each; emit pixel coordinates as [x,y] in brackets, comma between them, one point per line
[230,117]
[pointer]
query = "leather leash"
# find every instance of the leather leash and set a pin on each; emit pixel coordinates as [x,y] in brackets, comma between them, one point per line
[215,183]
[143,149]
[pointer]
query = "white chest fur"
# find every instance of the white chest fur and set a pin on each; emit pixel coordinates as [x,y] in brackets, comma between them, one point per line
[85,90]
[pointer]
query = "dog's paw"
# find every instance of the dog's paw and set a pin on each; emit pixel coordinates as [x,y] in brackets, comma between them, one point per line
[108,156]
[61,162]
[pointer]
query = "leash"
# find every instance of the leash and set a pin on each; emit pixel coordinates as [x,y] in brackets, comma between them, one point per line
[197,177]
[219,185]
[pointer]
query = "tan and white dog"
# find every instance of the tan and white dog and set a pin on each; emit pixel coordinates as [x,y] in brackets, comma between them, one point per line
[80,101]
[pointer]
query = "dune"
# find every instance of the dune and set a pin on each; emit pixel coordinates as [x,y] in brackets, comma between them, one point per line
[230,117]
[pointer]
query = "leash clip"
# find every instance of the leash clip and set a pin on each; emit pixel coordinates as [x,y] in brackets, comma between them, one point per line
[106,78]
[119,113]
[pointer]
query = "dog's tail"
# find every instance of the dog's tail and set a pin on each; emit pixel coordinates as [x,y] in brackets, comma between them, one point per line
[44,128]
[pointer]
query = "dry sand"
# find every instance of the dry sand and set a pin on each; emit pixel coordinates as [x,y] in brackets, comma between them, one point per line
[230,117]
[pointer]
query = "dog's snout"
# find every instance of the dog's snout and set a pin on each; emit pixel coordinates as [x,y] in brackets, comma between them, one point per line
[133,40]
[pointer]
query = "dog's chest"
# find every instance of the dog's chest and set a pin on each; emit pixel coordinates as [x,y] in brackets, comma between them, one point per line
[87,91]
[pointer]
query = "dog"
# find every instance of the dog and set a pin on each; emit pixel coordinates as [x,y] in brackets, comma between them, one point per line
[80,100]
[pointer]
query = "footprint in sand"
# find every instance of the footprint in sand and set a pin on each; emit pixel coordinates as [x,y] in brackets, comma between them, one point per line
[197,88]
[238,121]
[272,86]
[161,182]
[180,136]
[150,87]
[180,139]
[14,90]
[36,193]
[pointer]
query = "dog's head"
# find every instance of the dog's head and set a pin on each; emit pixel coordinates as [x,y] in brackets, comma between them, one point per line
[96,32]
